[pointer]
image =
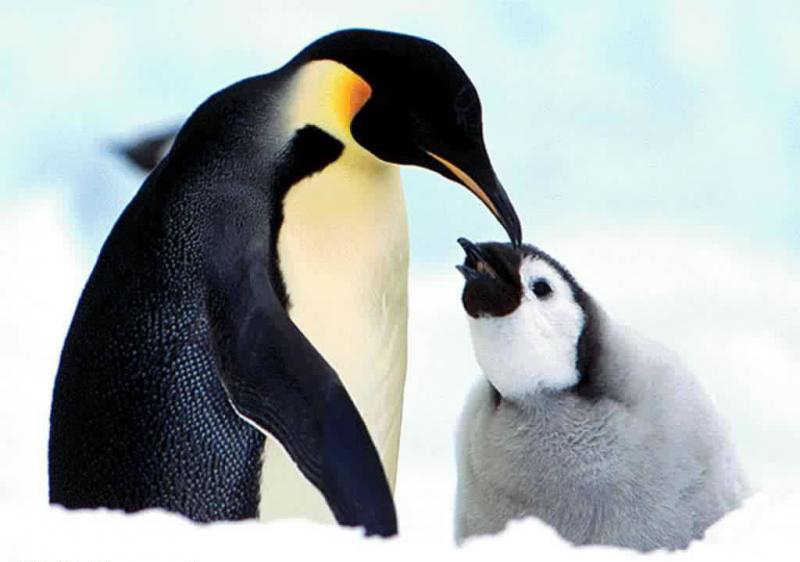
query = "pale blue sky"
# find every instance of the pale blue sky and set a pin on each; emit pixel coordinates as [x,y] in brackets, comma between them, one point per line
[596,114]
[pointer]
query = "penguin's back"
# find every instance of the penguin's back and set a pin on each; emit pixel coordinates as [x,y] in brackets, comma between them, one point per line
[139,416]
[659,390]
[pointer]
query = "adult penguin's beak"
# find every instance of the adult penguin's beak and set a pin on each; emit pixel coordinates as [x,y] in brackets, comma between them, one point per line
[481,180]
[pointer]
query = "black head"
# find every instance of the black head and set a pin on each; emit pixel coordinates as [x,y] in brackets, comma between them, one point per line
[423,110]
[494,283]
[527,309]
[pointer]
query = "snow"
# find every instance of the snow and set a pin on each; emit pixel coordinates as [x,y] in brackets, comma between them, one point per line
[728,307]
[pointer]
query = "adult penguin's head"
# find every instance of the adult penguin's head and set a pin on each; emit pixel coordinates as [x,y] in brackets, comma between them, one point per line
[415,106]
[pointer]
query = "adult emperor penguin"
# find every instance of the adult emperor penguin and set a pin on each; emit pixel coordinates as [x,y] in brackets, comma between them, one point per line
[602,435]
[257,282]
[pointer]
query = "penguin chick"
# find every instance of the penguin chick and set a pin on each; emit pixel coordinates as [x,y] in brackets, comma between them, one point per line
[601,434]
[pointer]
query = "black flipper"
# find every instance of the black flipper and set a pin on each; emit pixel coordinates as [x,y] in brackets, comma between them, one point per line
[278,381]
[146,152]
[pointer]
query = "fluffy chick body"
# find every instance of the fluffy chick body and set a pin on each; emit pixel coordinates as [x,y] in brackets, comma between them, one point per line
[635,456]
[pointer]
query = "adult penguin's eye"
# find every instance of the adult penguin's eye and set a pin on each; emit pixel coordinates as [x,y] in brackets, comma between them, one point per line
[541,288]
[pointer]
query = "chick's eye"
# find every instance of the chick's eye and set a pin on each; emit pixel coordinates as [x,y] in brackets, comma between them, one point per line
[541,288]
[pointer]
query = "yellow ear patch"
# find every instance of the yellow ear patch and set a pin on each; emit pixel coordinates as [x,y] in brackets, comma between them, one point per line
[354,93]
[327,94]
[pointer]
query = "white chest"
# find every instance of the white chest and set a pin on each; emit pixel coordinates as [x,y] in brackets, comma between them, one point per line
[343,250]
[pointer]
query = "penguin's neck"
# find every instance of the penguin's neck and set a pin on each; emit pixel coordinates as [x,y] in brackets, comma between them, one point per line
[343,256]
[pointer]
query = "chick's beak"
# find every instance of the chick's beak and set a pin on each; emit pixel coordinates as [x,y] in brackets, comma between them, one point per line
[491,277]
[475,264]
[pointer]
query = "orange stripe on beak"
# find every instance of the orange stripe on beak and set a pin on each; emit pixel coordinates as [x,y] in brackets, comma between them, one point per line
[468,182]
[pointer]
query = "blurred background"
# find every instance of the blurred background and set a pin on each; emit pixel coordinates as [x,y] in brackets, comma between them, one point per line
[679,113]
[652,147]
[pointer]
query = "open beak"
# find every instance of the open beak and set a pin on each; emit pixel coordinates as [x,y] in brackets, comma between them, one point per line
[492,284]
[475,265]
[489,263]
[483,182]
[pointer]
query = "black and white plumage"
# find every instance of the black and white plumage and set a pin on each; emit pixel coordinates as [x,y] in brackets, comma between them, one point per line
[600,433]
[256,286]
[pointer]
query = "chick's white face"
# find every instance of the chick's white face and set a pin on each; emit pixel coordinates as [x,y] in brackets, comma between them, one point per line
[535,346]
